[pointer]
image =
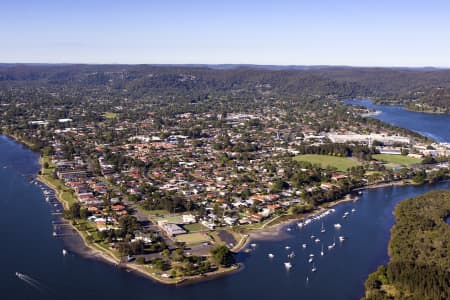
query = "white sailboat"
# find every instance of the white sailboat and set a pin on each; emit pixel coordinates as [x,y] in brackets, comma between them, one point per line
[270,255]
[332,245]
[288,265]
[337,226]
[304,246]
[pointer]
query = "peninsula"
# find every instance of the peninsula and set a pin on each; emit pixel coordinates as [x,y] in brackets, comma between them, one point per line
[167,170]
[418,250]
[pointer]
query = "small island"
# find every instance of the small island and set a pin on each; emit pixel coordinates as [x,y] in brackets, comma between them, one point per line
[419,250]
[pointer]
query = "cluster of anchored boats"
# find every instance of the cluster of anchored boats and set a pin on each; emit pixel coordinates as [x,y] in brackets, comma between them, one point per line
[315,239]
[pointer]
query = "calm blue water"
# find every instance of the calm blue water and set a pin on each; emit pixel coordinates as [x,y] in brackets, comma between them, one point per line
[433,126]
[28,247]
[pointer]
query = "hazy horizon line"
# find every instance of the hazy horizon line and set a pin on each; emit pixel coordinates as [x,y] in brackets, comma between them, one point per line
[231,64]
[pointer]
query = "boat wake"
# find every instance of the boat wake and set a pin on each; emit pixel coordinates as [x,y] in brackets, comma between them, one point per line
[33,282]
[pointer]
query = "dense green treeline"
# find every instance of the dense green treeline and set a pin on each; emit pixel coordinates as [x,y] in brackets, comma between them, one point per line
[343,150]
[419,250]
[418,89]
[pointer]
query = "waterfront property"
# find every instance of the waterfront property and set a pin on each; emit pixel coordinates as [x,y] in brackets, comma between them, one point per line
[61,272]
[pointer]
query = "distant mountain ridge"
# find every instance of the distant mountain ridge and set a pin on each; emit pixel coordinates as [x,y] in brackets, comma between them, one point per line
[426,89]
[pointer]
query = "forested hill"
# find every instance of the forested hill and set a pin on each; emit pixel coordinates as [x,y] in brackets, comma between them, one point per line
[419,89]
[419,250]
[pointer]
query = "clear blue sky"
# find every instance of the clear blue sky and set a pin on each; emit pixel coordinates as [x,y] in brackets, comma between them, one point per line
[297,32]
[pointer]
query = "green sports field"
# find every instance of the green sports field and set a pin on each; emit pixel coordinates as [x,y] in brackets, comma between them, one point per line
[397,159]
[340,163]
[193,238]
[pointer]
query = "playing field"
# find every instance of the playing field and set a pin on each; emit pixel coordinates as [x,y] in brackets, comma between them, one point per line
[397,159]
[340,163]
[195,227]
[193,238]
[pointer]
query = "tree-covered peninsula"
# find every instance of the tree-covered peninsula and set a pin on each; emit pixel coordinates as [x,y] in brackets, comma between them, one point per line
[419,250]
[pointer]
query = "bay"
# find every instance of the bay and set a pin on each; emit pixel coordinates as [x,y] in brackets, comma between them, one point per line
[434,126]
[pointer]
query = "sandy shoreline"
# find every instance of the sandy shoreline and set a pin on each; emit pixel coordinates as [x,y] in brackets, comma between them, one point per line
[276,233]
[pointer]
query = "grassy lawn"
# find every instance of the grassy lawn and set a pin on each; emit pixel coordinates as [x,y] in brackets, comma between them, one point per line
[195,227]
[340,163]
[171,219]
[397,159]
[253,226]
[51,166]
[65,193]
[193,238]
[162,212]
